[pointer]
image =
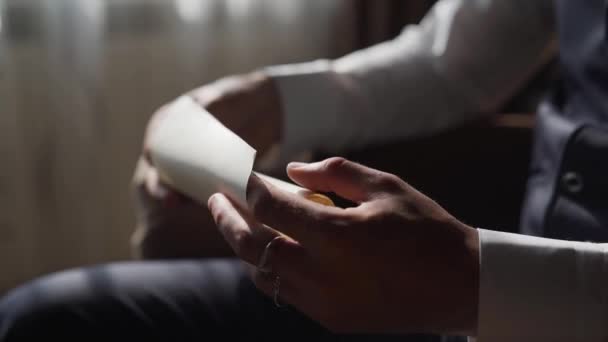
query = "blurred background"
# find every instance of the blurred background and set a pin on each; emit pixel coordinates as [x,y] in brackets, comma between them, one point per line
[80,78]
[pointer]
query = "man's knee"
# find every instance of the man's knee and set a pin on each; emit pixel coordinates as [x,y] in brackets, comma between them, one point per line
[155,300]
[49,306]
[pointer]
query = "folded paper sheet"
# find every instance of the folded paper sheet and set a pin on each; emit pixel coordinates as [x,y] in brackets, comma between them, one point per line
[198,155]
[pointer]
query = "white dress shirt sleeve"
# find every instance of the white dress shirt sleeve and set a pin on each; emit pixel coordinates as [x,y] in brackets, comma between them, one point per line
[464,59]
[537,289]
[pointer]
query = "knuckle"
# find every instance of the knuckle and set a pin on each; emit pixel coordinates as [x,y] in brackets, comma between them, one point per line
[388,182]
[334,164]
[346,220]
[279,244]
[244,244]
[372,215]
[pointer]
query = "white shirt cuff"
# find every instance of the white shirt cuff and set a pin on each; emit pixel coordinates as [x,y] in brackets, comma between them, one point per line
[536,289]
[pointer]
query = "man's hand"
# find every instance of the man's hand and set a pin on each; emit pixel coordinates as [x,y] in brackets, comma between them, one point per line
[171,225]
[249,105]
[397,262]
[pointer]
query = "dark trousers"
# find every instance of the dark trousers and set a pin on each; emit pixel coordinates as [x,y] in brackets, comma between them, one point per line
[164,301]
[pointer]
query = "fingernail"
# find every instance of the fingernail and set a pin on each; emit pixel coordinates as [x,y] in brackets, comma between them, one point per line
[296,165]
[211,202]
[212,199]
[218,199]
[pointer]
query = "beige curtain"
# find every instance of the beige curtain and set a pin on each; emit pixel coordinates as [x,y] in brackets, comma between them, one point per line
[78,81]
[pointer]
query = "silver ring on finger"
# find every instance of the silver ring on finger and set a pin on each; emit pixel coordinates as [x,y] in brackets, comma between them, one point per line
[264,265]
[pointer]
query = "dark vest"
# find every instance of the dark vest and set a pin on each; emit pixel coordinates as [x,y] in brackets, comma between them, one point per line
[567,196]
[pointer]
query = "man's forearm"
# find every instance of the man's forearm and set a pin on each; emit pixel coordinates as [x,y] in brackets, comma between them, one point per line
[464,59]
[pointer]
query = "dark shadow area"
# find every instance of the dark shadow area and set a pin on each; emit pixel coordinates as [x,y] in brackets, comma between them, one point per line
[477,172]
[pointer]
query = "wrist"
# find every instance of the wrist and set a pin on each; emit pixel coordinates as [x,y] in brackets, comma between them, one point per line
[453,306]
[459,267]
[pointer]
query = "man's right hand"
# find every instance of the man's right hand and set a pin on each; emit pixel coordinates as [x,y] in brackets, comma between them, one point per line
[170,225]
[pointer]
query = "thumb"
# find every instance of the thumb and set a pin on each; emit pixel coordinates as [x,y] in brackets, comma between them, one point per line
[345,178]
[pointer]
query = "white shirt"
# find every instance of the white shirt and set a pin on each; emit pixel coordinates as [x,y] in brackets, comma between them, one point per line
[463,60]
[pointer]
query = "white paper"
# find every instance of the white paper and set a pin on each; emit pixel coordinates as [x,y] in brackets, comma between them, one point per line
[284,186]
[197,155]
